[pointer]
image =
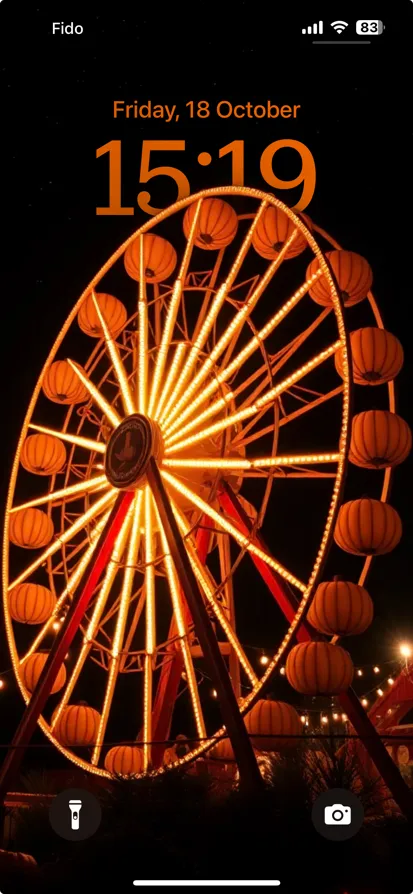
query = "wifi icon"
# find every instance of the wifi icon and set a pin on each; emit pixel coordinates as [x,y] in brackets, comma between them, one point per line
[339,26]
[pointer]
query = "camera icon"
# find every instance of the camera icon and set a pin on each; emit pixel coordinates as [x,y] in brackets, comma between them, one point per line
[337,815]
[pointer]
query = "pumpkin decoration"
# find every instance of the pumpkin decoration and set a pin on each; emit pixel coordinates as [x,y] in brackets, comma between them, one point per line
[30,528]
[15,861]
[31,603]
[353,275]
[62,385]
[113,311]
[272,723]
[223,751]
[43,454]
[32,669]
[78,725]
[159,258]
[367,527]
[377,356]
[272,231]
[217,224]
[318,668]
[379,440]
[340,608]
[124,760]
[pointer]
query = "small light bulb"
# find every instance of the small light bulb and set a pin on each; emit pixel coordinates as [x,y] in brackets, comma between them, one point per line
[1,684]
[359,672]
[405,650]
[324,719]
[376,669]
[214,693]
[335,716]
[56,625]
[390,681]
[62,619]
[307,723]
[344,718]
[364,702]
[380,692]
[264,659]
[282,671]
[302,718]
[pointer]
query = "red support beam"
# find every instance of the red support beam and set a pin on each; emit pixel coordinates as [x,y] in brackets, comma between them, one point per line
[62,643]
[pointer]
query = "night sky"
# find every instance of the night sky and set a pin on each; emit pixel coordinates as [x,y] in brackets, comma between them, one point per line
[57,98]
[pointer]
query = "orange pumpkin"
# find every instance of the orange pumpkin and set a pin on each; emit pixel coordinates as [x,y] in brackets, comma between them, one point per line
[113,311]
[30,528]
[217,224]
[43,454]
[379,440]
[77,725]
[32,669]
[319,669]
[377,356]
[270,725]
[159,258]
[340,608]
[367,527]
[272,231]
[31,603]
[124,760]
[62,385]
[353,275]
[15,861]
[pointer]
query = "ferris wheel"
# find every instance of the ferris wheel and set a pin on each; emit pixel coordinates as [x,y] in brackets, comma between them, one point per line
[201,384]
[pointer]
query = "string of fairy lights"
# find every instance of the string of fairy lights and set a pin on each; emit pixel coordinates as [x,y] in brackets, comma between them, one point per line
[312,717]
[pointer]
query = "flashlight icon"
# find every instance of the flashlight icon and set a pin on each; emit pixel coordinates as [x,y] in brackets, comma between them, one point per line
[75,808]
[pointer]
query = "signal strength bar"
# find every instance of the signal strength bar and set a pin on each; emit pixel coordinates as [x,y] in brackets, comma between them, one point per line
[313,29]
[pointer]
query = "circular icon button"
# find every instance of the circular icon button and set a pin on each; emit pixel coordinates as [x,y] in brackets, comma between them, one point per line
[338,814]
[75,814]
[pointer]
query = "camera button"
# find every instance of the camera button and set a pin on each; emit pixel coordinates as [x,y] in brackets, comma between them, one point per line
[338,814]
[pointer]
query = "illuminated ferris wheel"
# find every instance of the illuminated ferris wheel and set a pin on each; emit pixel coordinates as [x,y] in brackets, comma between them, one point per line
[217,390]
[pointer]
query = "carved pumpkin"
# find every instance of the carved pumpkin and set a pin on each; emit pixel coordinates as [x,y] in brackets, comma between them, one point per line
[217,224]
[31,603]
[319,669]
[43,454]
[30,528]
[379,440]
[377,356]
[32,669]
[159,258]
[367,527]
[271,723]
[340,608]
[77,725]
[124,760]
[113,311]
[62,385]
[273,229]
[353,275]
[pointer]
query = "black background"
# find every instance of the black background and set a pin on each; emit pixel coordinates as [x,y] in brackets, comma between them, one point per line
[56,98]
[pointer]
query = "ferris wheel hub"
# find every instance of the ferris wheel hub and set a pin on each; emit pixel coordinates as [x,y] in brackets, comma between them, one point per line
[131,447]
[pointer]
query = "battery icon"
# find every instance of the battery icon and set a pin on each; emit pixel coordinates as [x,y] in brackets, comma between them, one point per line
[369,26]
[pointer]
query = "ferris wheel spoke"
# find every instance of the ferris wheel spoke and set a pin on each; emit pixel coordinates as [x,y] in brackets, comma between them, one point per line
[211,316]
[65,536]
[263,401]
[264,461]
[118,366]
[74,490]
[170,379]
[104,591]
[221,404]
[111,414]
[77,440]
[222,522]
[150,625]
[171,316]
[232,331]
[284,420]
[142,365]
[134,524]
[208,587]
[183,635]
[70,589]
[254,343]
